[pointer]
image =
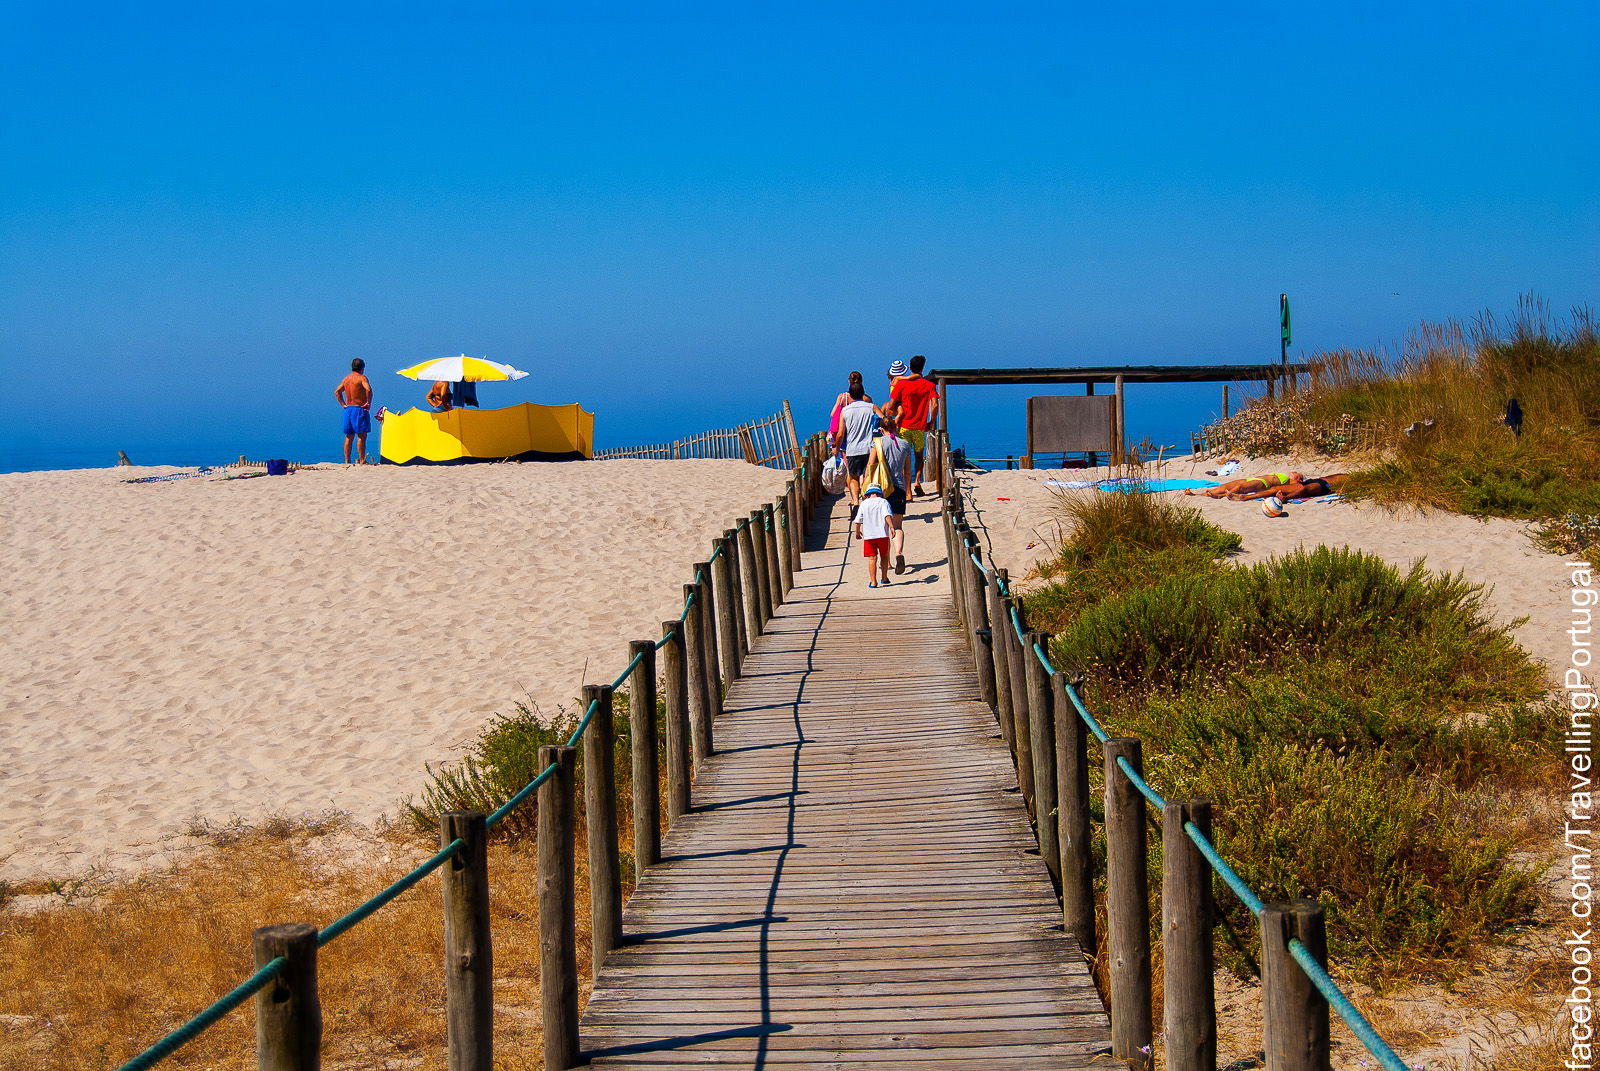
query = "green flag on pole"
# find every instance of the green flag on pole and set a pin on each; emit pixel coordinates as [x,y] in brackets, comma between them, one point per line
[1283,316]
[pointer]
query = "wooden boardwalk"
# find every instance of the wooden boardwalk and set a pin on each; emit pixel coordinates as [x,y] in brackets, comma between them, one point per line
[858,884]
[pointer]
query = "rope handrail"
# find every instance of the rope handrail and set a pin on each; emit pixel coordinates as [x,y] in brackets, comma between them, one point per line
[1314,971]
[197,1025]
[428,866]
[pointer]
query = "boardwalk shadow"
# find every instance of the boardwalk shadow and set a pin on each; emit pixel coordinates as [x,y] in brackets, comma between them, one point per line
[762,1031]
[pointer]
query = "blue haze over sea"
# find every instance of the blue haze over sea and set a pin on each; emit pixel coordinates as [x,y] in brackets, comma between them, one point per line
[990,422]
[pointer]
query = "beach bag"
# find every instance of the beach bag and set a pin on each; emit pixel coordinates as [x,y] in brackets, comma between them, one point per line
[833,480]
[878,471]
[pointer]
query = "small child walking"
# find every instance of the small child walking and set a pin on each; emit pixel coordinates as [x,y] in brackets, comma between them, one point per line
[872,528]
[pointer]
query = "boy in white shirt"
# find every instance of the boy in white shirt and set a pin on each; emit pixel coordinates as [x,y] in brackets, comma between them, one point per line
[872,528]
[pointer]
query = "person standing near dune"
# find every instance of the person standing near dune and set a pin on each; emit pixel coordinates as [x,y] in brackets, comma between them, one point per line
[354,392]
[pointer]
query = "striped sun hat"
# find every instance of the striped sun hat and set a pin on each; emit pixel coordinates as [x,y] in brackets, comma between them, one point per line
[898,368]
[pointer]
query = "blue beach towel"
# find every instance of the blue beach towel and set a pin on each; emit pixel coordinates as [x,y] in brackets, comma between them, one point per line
[1141,487]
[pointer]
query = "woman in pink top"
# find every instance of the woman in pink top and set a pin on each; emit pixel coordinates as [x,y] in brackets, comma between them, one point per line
[838,406]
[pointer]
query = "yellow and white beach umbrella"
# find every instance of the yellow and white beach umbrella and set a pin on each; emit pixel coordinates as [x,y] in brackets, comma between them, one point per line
[462,369]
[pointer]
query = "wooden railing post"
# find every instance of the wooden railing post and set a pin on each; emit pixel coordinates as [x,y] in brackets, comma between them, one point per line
[646,763]
[1189,1036]
[948,524]
[978,626]
[1042,725]
[727,630]
[1000,651]
[1296,1012]
[468,955]
[288,1009]
[694,658]
[736,597]
[1072,828]
[600,813]
[1127,906]
[675,674]
[774,571]
[1021,716]
[758,559]
[784,547]
[707,602]
[558,948]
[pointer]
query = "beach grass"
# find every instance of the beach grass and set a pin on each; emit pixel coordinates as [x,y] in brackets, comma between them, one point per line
[1354,724]
[1432,418]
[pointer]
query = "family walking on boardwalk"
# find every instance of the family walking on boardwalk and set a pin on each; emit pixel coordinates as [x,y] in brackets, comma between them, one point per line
[883,450]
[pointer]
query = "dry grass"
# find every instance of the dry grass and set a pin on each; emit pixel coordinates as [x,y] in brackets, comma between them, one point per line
[89,982]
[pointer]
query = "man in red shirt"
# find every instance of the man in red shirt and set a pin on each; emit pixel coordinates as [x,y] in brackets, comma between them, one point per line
[354,393]
[914,402]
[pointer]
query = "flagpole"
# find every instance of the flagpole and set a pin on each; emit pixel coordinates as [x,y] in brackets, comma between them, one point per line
[1283,321]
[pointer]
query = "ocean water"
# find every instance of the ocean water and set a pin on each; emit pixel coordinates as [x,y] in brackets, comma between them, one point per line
[988,422]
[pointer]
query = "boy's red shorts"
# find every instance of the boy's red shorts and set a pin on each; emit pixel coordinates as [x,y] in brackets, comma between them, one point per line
[871,548]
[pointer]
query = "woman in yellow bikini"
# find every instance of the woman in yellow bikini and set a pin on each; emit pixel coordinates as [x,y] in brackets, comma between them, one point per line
[1236,488]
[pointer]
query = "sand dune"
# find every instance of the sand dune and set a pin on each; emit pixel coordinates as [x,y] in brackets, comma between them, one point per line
[205,648]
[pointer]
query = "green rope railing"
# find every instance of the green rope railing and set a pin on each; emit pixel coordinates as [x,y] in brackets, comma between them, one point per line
[194,1027]
[1317,974]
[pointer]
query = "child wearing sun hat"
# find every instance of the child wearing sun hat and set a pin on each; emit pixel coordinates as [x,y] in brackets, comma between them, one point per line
[872,528]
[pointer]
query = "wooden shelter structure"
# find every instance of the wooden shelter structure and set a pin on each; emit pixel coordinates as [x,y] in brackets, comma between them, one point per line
[1070,427]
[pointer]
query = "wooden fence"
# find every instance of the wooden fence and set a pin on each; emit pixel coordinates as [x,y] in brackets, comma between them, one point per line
[771,442]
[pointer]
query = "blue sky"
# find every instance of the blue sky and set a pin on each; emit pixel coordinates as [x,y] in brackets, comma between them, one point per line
[679,219]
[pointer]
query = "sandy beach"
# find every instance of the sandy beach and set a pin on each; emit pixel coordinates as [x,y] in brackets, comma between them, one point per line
[1521,581]
[209,649]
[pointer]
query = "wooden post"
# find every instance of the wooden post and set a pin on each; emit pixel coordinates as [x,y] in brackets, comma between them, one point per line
[468,956]
[774,573]
[642,744]
[785,547]
[1127,906]
[558,928]
[1296,1013]
[736,588]
[727,629]
[1072,827]
[1119,422]
[797,528]
[978,627]
[999,650]
[763,589]
[748,444]
[794,441]
[694,657]
[288,1009]
[1021,716]
[1042,725]
[600,813]
[675,672]
[950,525]
[943,399]
[1225,400]
[1190,1017]
[707,602]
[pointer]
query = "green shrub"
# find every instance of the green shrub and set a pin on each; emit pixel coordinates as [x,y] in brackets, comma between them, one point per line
[1351,721]
[1409,869]
[501,762]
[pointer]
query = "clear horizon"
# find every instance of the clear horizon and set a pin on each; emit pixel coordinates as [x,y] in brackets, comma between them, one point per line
[678,221]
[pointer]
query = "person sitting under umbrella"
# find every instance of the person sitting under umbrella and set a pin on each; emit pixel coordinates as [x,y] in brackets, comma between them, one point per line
[439,396]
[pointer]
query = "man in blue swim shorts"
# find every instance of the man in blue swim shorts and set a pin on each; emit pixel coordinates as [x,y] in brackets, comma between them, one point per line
[354,392]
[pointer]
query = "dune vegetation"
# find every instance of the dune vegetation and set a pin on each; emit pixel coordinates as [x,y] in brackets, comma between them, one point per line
[1356,726]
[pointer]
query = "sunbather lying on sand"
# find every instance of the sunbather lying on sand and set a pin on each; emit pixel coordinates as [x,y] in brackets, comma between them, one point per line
[1266,483]
[1304,487]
